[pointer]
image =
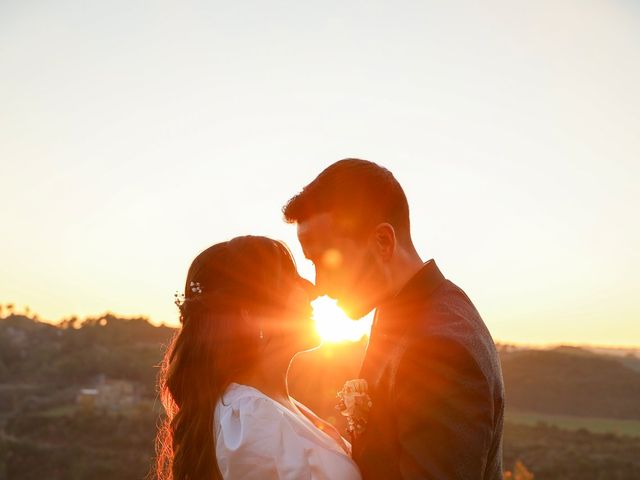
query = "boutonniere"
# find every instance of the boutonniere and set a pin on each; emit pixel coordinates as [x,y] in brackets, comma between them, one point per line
[355,404]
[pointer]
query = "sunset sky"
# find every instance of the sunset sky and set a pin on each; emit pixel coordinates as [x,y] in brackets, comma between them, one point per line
[135,134]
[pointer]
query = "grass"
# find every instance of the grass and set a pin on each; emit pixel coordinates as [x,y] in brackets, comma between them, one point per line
[567,422]
[60,411]
[143,406]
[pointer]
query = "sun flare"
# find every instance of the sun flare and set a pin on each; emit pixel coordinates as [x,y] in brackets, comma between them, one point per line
[334,325]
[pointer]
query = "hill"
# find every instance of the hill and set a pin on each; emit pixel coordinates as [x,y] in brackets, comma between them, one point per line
[572,381]
[45,431]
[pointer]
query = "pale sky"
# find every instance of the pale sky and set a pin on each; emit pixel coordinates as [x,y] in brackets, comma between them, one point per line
[135,134]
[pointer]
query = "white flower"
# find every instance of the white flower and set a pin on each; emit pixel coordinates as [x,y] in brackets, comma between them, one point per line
[359,385]
[355,404]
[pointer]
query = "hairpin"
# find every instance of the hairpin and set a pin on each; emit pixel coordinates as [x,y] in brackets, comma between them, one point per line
[178,299]
[195,287]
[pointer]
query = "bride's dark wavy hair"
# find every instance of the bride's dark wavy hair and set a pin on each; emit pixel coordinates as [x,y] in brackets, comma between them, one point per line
[215,343]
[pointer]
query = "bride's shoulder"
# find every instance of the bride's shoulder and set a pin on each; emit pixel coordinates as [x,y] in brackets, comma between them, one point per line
[246,422]
[242,402]
[237,393]
[256,437]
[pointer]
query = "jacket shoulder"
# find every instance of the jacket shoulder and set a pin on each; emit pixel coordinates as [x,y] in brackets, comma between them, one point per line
[450,323]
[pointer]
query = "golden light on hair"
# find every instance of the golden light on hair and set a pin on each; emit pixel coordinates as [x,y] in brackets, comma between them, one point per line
[333,325]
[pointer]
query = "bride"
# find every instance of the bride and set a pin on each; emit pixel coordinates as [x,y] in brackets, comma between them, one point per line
[245,313]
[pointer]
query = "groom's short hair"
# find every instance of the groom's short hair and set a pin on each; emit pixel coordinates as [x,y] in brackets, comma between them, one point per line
[359,195]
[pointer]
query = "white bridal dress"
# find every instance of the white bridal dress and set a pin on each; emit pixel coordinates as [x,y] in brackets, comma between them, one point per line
[257,438]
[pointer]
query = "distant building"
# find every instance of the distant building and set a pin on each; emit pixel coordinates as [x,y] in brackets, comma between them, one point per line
[109,394]
[86,398]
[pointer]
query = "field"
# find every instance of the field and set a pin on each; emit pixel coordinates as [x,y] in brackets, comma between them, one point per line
[569,422]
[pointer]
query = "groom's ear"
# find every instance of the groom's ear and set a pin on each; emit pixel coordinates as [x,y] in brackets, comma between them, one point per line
[385,240]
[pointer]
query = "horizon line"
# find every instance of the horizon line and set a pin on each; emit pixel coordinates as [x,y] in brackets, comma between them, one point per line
[516,343]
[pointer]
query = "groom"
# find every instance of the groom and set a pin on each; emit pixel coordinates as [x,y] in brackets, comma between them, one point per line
[432,368]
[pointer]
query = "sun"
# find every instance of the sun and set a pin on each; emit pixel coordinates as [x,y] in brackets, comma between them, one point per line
[333,325]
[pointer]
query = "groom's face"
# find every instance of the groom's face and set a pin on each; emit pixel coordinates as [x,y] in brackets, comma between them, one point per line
[346,267]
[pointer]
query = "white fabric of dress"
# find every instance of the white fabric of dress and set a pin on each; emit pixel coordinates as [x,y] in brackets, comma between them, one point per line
[257,438]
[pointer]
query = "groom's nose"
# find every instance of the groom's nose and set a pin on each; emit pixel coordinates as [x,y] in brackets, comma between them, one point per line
[311,289]
[320,289]
[323,286]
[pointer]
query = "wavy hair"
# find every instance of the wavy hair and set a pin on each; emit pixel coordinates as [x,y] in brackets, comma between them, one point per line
[215,343]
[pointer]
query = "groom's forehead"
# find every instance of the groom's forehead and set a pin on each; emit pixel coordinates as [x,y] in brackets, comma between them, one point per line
[318,223]
[316,231]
